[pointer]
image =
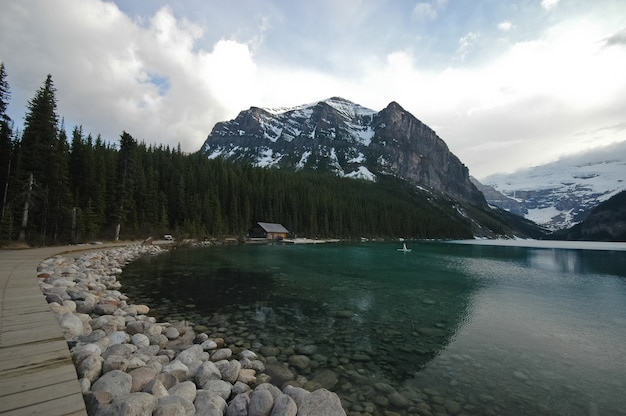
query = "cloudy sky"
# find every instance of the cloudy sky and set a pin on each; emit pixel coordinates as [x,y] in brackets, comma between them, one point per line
[507,84]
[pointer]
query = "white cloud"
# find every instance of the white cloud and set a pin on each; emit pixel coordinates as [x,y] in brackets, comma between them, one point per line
[549,4]
[466,44]
[113,74]
[553,93]
[505,26]
[424,11]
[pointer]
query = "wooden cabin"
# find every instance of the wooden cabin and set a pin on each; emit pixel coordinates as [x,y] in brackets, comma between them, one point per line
[268,230]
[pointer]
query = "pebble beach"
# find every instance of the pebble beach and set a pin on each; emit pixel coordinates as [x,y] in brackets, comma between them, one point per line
[128,363]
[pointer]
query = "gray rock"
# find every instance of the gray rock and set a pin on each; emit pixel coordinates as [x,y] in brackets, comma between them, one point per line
[167,379]
[452,406]
[171,401]
[93,337]
[194,353]
[207,371]
[85,306]
[90,368]
[275,391]
[209,345]
[96,401]
[152,329]
[135,327]
[156,388]
[140,340]
[135,362]
[326,378]
[186,390]
[250,355]
[177,369]
[116,382]
[171,333]
[268,351]
[301,362]
[285,406]
[238,406]
[119,337]
[173,408]
[53,297]
[104,309]
[221,354]
[218,387]
[261,403]
[229,370]
[398,400]
[115,362]
[125,350]
[141,377]
[298,394]
[81,352]
[321,402]
[208,403]
[70,324]
[239,388]
[134,404]
[280,373]
[85,385]
[307,349]
[159,339]
[256,365]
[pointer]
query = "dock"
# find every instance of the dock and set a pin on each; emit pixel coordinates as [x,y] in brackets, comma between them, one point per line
[37,376]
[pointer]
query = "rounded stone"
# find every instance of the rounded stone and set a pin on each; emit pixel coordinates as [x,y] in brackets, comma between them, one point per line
[141,377]
[140,340]
[186,390]
[104,309]
[285,406]
[261,403]
[221,354]
[301,362]
[172,333]
[116,382]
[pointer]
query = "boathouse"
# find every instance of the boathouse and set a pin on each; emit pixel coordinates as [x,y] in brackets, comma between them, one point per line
[268,230]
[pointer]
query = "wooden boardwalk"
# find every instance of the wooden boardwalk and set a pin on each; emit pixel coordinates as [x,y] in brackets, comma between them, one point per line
[37,376]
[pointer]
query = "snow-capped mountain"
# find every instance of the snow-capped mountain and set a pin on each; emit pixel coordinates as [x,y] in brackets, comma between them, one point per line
[342,137]
[560,194]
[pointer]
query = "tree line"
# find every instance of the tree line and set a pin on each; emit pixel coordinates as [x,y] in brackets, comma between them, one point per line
[61,189]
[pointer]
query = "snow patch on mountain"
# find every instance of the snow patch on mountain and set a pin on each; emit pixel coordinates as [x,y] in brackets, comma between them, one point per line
[362,173]
[561,194]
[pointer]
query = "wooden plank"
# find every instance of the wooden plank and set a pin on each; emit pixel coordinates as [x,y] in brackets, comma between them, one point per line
[38,395]
[28,336]
[25,381]
[60,406]
[45,353]
[37,376]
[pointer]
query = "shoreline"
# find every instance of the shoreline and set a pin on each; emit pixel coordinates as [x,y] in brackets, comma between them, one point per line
[126,360]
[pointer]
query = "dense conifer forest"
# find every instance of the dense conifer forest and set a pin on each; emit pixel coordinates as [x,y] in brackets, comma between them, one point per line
[59,188]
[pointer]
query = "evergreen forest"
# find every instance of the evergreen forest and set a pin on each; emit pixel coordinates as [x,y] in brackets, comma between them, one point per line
[62,188]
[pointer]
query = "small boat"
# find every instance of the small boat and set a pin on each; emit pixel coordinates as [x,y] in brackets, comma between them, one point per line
[404,249]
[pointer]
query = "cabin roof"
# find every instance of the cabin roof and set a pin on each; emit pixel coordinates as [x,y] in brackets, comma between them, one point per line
[272,228]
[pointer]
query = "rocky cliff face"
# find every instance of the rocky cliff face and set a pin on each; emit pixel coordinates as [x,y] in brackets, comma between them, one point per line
[339,136]
[606,222]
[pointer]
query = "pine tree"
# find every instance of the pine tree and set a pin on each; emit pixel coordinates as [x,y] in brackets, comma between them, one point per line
[125,181]
[42,159]
[6,152]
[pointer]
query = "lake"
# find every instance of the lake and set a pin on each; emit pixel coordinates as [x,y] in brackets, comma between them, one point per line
[519,328]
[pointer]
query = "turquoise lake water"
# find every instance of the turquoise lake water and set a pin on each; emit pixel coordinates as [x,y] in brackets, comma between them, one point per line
[452,328]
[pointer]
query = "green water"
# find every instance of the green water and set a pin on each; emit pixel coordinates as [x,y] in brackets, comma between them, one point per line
[452,328]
